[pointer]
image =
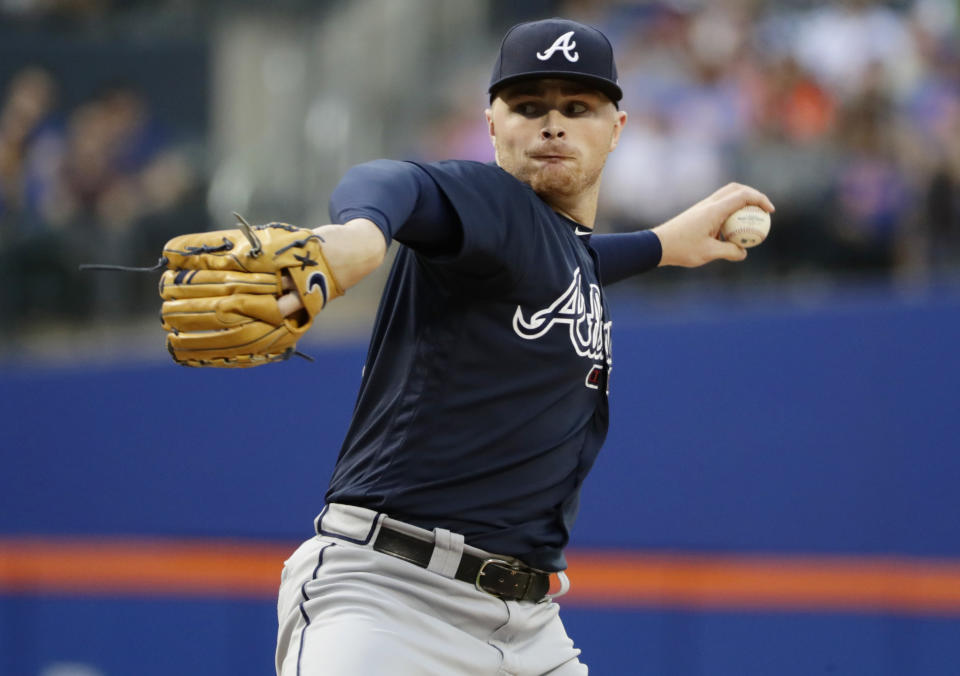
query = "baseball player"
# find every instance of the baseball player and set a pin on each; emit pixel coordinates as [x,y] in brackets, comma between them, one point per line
[484,397]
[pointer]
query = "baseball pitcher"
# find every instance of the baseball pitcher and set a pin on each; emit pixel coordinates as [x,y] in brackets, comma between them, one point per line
[484,398]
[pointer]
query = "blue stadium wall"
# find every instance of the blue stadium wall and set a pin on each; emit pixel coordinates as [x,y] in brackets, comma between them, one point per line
[799,431]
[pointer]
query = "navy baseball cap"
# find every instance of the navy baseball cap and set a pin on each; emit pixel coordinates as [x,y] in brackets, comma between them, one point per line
[556,48]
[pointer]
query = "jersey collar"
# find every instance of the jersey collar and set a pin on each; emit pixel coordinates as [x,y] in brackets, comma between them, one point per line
[578,229]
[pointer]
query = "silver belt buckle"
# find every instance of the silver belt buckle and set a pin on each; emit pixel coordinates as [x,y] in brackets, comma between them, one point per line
[486,563]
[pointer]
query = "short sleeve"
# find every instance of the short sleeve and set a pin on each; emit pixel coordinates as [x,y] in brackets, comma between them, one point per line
[497,220]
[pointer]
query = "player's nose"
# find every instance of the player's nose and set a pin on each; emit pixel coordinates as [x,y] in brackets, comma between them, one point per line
[552,131]
[552,127]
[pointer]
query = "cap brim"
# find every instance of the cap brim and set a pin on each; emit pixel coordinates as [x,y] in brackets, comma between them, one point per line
[607,88]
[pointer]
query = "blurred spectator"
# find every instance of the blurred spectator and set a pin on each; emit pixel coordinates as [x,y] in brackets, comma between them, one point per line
[459,130]
[872,197]
[104,187]
[31,144]
[117,166]
[32,268]
[840,43]
[931,110]
[791,104]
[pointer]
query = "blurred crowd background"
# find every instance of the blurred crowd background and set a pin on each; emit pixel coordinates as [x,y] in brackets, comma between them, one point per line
[123,123]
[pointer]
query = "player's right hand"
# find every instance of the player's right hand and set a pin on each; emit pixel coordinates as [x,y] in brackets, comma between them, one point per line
[692,238]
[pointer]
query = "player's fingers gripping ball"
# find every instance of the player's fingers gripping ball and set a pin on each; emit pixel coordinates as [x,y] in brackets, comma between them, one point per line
[746,227]
[221,291]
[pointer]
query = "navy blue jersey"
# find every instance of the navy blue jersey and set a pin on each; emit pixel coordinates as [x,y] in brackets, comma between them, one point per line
[483,402]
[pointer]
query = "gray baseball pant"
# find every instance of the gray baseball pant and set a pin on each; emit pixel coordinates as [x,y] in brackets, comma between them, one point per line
[347,610]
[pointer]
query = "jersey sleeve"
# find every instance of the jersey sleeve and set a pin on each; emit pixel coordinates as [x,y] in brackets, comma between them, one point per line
[495,212]
[624,254]
[469,222]
[402,200]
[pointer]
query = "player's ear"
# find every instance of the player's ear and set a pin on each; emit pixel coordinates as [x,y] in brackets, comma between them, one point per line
[488,113]
[621,120]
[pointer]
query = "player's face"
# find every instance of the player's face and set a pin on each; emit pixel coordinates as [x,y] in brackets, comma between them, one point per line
[554,135]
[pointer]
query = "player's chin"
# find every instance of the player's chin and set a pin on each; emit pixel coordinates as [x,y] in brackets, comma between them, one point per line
[556,179]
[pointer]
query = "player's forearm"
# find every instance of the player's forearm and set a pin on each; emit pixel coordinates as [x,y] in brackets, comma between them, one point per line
[353,250]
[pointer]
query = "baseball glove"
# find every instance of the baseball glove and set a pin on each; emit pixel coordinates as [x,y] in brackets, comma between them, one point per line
[220,293]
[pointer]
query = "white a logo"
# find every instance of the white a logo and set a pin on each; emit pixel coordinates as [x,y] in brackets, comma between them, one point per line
[563,44]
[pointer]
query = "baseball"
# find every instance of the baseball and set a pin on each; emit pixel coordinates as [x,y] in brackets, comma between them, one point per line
[746,227]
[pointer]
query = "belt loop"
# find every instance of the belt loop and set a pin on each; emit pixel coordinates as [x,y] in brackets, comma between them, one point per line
[348,522]
[447,550]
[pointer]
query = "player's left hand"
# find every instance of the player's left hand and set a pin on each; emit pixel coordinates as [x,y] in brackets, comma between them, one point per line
[692,238]
[223,293]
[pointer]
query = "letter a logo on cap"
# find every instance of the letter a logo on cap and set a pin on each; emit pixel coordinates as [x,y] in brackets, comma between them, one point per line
[563,44]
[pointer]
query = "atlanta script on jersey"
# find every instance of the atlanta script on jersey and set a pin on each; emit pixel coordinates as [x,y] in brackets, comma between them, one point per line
[589,333]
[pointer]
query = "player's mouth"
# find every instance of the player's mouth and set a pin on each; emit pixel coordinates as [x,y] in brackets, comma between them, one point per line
[551,152]
[550,158]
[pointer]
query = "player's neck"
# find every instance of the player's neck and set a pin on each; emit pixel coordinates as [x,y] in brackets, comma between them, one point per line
[581,208]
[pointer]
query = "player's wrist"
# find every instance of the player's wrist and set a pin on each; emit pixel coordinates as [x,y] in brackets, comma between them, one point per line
[352,250]
[668,244]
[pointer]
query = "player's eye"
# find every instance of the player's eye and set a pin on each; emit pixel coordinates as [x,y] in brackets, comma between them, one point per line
[529,109]
[575,108]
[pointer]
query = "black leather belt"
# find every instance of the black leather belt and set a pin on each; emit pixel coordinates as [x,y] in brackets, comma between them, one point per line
[509,581]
